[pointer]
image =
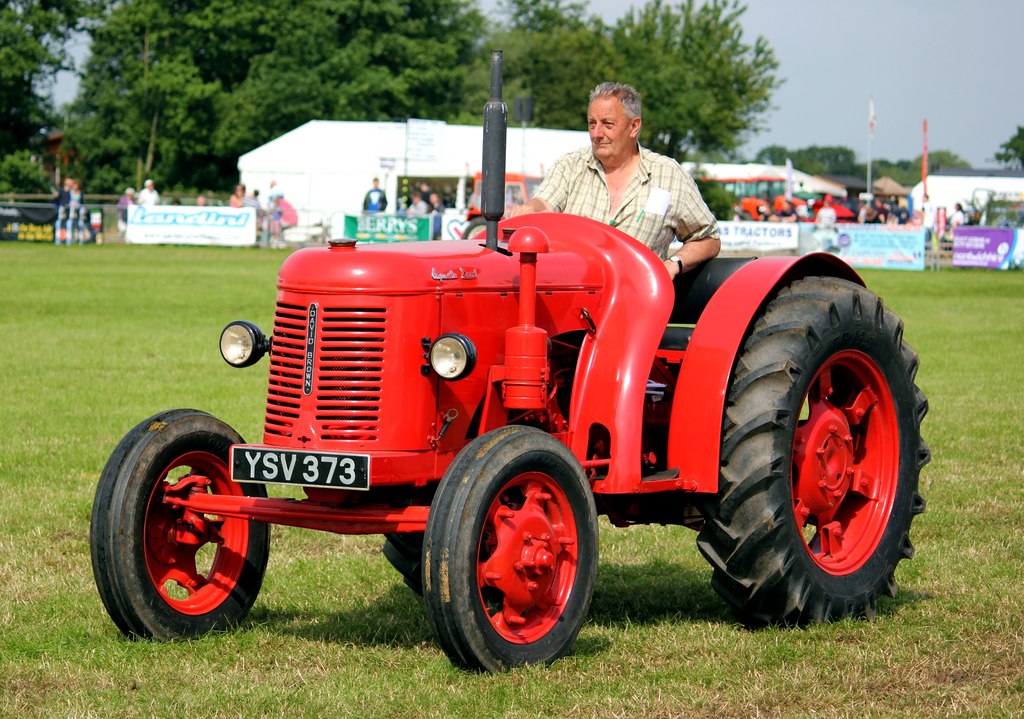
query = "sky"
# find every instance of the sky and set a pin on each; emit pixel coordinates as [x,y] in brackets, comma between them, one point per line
[950,62]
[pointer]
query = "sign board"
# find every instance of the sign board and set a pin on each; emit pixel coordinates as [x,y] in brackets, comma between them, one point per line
[180,225]
[994,248]
[387,228]
[881,247]
[424,140]
[27,224]
[759,237]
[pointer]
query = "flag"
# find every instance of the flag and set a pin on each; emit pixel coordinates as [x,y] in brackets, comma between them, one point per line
[871,117]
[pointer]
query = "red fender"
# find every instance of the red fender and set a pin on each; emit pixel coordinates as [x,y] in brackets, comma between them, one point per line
[695,432]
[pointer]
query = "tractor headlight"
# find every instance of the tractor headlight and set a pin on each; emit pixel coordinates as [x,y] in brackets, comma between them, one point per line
[243,343]
[452,356]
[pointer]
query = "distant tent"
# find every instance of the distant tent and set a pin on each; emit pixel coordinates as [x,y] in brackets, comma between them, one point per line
[888,187]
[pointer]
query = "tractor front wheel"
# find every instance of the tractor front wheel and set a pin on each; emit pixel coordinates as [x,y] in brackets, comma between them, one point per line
[163,571]
[821,453]
[511,551]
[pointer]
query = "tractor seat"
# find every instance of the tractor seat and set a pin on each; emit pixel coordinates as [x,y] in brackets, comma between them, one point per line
[676,338]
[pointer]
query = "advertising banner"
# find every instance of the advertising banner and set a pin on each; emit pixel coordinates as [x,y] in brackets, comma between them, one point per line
[387,228]
[994,248]
[180,225]
[759,237]
[882,247]
[27,223]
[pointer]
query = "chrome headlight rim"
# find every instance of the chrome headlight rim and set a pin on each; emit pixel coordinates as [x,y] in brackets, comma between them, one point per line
[243,344]
[452,356]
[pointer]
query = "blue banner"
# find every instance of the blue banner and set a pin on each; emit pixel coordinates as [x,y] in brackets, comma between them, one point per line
[884,247]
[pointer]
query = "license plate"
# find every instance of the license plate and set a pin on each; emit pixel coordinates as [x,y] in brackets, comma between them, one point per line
[267,465]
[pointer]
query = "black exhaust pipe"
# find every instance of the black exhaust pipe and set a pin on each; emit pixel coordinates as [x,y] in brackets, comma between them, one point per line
[495,129]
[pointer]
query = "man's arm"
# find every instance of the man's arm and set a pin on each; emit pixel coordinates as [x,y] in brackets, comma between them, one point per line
[534,204]
[692,254]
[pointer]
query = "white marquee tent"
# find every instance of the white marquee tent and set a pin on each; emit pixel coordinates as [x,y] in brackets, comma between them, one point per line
[325,167]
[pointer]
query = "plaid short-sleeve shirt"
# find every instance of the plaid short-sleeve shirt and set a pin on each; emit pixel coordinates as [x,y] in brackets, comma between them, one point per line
[661,201]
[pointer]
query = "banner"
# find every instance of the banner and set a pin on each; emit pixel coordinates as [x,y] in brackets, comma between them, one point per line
[26,223]
[760,237]
[387,228]
[994,248]
[882,247]
[181,225]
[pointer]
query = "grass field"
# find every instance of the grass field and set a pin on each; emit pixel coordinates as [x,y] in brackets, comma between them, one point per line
[95,339]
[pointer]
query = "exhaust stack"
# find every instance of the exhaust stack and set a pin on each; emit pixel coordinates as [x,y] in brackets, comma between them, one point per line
[495,129]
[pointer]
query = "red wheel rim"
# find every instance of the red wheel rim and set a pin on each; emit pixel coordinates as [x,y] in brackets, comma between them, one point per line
[527,558]
[845,462]
[194,560]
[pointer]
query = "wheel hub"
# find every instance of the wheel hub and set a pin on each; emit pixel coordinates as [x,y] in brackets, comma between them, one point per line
[527,565]
[825,460]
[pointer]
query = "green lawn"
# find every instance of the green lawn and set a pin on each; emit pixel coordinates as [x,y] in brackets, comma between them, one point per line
[96,339]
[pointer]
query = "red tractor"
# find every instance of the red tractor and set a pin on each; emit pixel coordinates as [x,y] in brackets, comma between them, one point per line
[480,405]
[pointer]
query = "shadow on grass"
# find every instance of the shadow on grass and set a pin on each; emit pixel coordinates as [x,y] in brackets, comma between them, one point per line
[624,595]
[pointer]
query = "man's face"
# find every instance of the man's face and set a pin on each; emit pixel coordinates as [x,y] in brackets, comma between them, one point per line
[613,136]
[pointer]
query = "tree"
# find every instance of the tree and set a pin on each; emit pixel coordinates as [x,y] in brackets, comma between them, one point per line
[21,172]
[178,89]
[32,38]
[704,87]
[1012,152]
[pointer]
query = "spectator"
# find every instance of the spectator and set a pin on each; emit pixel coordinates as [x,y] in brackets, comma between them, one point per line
[237,197]
[124,202]
[201,201]
[826,218]
[876,214]
[418,207]
[62,200]
[149,196]
[75,226]
[425,192]
[958,217]
[785,213]
[375,200]
[437,210]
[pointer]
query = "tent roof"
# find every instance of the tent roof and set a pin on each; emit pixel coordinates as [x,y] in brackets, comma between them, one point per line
[888,186]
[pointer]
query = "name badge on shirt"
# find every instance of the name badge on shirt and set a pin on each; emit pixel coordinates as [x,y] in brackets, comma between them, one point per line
[657,202]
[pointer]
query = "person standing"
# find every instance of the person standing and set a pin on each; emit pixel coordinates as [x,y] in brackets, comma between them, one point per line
[615,180]
[61,200]
[149,196]
[124,203]
[376,200]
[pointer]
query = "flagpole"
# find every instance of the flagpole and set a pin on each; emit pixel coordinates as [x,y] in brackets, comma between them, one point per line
[871,134]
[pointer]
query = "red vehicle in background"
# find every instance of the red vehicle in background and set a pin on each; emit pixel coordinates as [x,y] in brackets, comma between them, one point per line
[518,189]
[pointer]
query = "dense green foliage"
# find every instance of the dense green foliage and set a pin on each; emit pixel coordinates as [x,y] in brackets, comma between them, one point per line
[817,160]
[1011,153]
[178,89]
[32,50]
[100,337]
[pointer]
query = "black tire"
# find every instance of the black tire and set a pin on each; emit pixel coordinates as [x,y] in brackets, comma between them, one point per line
[510,551]
[475,228]
[821,453]
[405,552]
[145,552]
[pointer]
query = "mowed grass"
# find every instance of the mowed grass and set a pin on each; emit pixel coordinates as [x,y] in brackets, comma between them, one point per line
[93,340]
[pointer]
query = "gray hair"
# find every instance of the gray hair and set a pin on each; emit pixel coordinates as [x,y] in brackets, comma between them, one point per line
[626,94]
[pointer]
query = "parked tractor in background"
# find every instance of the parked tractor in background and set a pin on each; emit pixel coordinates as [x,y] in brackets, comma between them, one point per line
[518,189]
[480,405]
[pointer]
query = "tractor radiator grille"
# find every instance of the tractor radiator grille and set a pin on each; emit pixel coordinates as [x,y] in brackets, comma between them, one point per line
[344,399]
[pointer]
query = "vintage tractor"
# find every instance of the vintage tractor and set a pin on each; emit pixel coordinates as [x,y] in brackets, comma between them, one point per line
[480,405]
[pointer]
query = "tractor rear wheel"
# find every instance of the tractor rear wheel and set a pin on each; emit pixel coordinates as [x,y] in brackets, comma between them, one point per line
[821,453]
[511,551]
[476,229]
[163,571]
